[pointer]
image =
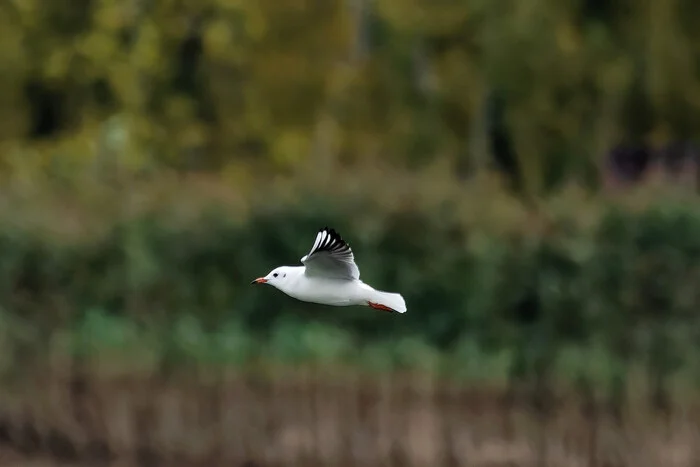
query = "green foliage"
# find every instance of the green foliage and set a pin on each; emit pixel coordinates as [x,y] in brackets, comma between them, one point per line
[506,299]
[98,96]
[241,86]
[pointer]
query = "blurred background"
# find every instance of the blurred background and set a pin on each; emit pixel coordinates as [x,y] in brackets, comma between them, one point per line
[524,173]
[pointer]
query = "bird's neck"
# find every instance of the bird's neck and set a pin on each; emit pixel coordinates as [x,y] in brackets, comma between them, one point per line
[293,275]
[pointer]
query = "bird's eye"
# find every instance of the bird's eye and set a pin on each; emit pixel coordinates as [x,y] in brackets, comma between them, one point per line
[284,275]
[274,275]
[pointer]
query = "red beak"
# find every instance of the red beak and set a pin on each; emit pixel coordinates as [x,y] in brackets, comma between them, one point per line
[259,280]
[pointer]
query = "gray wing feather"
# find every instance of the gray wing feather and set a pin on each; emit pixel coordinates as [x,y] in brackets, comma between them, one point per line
[330,256]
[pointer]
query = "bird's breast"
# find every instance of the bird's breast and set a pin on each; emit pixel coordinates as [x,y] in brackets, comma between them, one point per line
[325,291]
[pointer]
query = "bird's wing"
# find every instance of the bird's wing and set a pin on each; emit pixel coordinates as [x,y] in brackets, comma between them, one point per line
[330,257]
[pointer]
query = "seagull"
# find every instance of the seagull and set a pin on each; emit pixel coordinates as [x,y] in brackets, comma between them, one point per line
[330,276]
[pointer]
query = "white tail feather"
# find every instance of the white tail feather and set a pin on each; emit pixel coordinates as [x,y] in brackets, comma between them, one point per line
[392,300]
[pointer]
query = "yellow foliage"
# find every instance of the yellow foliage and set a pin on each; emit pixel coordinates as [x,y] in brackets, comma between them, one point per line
[27,11]
[58,63]
[568,39]
[147,50]
[403,80]
[217,38]
[110,16]
[99,48]
[425,16]
[290,147]
[255,24]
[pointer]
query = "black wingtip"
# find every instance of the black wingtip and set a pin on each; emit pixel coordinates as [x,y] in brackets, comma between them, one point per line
[334,241]
[333,233]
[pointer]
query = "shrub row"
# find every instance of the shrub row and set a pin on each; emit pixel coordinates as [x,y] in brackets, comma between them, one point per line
[628,281]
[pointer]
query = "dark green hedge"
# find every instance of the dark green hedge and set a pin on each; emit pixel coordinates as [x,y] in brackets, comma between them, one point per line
[629,281]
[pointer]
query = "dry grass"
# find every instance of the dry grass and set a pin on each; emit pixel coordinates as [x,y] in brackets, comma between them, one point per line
[312,418]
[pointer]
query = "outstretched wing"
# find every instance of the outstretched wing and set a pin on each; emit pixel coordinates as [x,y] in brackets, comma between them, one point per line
[330,257]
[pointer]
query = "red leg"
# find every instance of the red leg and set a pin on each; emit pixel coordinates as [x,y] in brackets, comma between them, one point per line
[378,306]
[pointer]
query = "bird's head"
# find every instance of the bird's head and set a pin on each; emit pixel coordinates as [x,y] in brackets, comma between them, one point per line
[276,278]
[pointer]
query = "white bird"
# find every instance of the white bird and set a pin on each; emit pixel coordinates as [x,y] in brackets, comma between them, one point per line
[330,277]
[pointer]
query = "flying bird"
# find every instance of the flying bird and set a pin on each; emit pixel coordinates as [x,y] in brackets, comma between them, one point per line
[330,276]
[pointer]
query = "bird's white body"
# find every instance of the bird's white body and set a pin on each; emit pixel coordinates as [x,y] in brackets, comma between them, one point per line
[326,291]
[330,277]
